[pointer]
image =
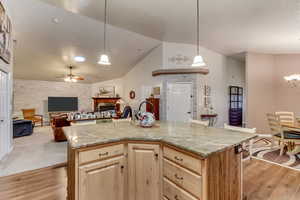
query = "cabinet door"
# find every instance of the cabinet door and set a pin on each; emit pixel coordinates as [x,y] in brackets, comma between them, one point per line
[144,162]
[103,180]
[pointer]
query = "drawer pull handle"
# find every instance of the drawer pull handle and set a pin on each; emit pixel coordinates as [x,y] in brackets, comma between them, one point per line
[103,154]
[176,197]
[177,177]
[179,159]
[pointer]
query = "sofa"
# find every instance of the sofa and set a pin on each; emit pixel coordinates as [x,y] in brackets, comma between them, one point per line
[22,128]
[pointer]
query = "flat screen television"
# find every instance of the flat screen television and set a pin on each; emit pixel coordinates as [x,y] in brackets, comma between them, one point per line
[62,104]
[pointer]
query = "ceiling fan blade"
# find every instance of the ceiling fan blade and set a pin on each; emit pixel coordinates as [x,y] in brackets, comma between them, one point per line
[79,78]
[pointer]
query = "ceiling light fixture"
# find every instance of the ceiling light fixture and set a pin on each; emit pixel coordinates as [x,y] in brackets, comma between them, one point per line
[198,60]
[104,59]
[55,20]
[79,59]
[293,80]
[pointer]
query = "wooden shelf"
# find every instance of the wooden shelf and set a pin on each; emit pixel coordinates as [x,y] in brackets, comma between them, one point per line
[192,70]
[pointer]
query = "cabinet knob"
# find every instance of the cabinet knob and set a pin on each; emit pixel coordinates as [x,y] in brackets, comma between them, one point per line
[103,154]
[179,159]
[177,177]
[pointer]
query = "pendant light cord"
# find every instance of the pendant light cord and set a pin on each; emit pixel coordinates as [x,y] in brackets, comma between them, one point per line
[198,28]
[105,22]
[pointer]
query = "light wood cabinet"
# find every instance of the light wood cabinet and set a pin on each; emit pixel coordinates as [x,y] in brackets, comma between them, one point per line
[173,192]
[101,153]
[102,180]
[132,170]
[182,159]
[182,177]
[144,164]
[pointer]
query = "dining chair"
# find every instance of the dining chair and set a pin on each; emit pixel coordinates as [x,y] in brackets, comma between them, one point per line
[199,122]
[284,137]
[244,130]
[29,114]
[286,117]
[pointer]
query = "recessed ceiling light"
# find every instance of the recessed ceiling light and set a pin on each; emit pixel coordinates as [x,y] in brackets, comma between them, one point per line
[55,20]
[79,59]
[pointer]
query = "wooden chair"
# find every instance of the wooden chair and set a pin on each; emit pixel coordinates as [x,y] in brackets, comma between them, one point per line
[284,137]
[244,130]
[199,122]
[29,114]
[286,117]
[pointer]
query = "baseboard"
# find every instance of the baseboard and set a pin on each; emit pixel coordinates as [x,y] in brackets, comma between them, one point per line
[35,170]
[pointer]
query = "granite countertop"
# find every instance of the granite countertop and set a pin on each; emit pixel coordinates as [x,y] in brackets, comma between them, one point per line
[196,139]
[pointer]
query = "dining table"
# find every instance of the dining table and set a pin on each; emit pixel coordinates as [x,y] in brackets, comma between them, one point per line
[295,128]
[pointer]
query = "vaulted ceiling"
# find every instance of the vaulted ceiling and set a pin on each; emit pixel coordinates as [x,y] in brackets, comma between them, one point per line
[227,26]
[44,49]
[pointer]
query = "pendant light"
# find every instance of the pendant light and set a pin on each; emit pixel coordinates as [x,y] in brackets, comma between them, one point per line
[104,59]
[198,60]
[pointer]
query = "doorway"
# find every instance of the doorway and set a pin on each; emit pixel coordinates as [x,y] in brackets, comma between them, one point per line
[179,102]
[5,136]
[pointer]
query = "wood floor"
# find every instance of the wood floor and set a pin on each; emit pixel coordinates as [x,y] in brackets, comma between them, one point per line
[263,181]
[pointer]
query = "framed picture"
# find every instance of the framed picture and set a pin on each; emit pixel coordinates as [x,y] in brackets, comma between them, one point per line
[5,36]
[107,91]
[2,17]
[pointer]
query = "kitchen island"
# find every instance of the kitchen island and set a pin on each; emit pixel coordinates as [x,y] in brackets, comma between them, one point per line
[171,161]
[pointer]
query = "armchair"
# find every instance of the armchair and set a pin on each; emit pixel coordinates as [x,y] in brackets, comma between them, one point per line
[29,114]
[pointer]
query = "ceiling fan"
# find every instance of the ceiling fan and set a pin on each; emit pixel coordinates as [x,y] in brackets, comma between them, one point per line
[72,77]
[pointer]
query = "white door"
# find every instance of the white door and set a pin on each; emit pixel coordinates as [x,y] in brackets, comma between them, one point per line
[4,115]
[179,102]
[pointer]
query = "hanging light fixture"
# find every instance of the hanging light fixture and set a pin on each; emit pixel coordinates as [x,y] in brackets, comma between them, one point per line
[104,59]
[198,60]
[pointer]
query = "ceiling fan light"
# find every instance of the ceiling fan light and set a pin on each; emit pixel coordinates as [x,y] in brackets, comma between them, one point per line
[79,58]
[67,79]
[104,60]
[198,61]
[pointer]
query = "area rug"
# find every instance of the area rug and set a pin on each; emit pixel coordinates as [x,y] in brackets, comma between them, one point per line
[36,151]
[262,151]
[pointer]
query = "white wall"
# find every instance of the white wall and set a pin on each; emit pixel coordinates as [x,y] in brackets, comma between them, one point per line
[6,138]
[34,94]
[140,78]
[141,81]
[216,78]
[236,72]
[118,83]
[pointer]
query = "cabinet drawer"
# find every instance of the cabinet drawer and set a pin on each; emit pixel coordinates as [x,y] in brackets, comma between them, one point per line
[182,159]
[101,153]
[183,177]
[172,192]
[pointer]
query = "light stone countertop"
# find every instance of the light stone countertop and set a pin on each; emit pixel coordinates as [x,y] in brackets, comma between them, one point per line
[196,139]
